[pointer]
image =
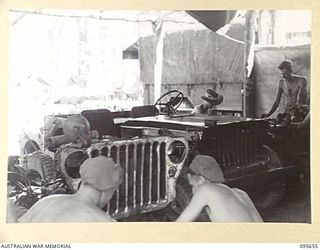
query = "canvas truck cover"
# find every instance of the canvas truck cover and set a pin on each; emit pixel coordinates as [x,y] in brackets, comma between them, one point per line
[198,57]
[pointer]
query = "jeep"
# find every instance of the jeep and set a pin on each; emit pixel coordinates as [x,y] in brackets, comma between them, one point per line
[155,144]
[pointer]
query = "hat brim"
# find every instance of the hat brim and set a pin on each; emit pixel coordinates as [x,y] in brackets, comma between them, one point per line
[213,101]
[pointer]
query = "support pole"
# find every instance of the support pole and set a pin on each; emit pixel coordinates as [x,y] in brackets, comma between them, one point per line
[159,62]
[248,84]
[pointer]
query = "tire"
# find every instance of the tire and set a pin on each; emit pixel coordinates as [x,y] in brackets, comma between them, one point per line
[30,147]
[43,164]
[270,196]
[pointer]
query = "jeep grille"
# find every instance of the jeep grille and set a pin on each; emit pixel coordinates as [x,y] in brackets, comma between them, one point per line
[235,144]
[150,172]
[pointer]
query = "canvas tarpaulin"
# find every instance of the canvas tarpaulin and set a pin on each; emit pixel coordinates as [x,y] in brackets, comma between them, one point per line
[198,58]
[267,60]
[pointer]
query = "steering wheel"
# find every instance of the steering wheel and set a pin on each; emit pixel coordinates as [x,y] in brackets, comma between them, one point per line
[171,101]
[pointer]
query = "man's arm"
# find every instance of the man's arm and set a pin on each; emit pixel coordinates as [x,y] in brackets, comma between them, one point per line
[305,122]
[197,203]
[302,94]
[276,102]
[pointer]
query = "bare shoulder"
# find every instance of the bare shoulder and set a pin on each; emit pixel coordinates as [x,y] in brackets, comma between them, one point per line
[47,200]
[300,79]
[223,192]
[216,189]
[94,214]
[299,76]
[55,197]
[240,192]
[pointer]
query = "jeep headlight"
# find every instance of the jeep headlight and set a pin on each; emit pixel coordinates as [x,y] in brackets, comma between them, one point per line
[176,151]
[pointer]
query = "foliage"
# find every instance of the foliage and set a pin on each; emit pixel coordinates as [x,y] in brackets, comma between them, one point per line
[28,187]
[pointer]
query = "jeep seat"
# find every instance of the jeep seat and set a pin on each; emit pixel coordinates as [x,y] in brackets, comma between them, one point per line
[143,111]
[100,120]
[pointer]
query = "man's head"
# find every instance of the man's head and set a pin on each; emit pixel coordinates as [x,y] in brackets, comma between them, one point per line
[202,169]
[103,175]
[77,130]
[285,69]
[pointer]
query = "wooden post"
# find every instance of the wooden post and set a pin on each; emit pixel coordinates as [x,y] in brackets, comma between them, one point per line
[159,62]
[248,84]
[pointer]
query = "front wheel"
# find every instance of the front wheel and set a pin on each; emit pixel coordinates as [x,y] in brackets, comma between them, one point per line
[42,163]
[271,195]
[270,198]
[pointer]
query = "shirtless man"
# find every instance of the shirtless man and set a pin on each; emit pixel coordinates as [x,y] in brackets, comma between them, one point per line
[100,178]
[222,203]
[292,87]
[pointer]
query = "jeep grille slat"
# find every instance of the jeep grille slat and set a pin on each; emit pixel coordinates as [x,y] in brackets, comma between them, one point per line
[117,192]
[134,174]
[142,174]
[127,177]
[150,176]
[158,173]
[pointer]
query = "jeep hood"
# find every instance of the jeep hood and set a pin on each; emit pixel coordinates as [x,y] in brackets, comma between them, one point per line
[181,121]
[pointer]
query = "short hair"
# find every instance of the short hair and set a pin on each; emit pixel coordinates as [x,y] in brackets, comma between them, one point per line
[286,64]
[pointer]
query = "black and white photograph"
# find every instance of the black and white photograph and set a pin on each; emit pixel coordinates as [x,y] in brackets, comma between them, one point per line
[159,116]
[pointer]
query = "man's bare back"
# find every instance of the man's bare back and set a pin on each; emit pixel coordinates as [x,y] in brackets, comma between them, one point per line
[223,204]
[229,204]
[100,178]
[64,208]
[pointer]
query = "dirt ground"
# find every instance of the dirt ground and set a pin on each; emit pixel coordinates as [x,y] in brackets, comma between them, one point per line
[295,206]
